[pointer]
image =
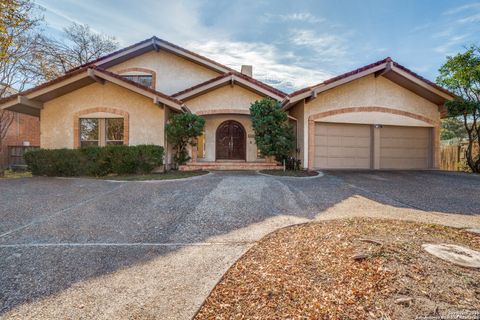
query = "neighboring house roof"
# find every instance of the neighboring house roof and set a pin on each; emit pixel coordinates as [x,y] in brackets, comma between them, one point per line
[386,68]
[231,77]
[31,101]
[150,44]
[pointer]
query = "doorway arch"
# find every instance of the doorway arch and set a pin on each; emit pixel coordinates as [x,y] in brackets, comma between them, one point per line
[230,141]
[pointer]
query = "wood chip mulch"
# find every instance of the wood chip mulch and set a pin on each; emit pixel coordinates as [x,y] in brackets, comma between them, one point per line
[347,269]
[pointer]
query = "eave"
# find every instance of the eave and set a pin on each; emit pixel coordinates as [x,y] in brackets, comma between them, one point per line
[231,78]
[384,68]
[31,101]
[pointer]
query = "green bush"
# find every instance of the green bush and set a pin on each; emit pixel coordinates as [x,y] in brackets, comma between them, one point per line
[95,161]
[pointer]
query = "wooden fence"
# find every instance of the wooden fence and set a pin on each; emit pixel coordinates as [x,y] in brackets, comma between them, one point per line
[452,157]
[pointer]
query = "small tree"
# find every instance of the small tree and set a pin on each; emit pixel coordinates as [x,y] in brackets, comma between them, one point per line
[183,130]
[273,134]
[452,128]
[461,75]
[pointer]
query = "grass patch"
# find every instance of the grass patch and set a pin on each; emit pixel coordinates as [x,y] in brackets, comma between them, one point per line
[169,175]
[10,174]
[290,173]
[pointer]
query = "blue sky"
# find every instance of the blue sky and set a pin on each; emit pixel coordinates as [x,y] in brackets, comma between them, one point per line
[291,44]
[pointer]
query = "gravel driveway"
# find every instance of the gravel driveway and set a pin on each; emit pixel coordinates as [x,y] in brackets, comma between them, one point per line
[85,248]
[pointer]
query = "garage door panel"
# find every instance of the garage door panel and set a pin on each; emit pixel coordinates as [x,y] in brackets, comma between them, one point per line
[407,163]
[341,146]
[404,147]
[403,153]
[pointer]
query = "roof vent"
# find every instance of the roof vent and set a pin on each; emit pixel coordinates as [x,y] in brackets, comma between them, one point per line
[247,70]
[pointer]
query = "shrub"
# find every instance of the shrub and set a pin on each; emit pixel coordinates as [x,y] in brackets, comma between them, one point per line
[95,161]
[274,136]
[183,130]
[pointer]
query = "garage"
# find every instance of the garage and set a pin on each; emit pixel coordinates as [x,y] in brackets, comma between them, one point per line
[364,146]
[405,147]
[342,146]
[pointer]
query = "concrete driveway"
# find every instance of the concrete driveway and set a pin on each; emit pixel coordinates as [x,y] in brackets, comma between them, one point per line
[84,248]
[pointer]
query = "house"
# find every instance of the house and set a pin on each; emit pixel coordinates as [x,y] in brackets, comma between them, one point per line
[23,132]
[381,116]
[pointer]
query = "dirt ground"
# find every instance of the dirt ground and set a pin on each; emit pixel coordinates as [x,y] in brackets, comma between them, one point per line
[309,271]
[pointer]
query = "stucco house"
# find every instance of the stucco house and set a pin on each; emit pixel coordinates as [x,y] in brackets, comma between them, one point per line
[381,116]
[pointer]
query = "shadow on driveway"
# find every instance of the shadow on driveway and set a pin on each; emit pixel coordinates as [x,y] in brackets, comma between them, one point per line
[58,232]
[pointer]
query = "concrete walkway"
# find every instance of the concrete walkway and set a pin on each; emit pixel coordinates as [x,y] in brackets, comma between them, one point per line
[80,248]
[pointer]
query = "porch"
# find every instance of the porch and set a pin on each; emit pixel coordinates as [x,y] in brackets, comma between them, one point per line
[229,165]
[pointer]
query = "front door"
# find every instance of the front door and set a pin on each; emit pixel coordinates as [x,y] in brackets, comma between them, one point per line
[230,141]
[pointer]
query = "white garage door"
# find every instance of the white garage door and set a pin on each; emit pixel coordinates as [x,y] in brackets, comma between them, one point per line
[404,147]
[339,146]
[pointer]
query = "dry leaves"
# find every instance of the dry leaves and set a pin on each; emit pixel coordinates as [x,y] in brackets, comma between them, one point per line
[307,271]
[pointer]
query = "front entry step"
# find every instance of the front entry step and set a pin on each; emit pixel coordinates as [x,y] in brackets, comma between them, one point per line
[211,166]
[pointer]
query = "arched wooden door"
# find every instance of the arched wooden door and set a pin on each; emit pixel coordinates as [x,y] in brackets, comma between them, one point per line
[230,141]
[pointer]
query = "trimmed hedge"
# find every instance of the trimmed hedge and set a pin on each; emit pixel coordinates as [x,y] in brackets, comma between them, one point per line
[94,161]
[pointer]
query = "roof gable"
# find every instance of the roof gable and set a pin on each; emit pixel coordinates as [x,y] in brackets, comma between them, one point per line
[232,77]
[156,44]
[31,101]
[386,68]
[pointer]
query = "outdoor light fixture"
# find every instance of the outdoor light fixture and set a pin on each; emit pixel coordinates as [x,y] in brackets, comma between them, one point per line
[378,126]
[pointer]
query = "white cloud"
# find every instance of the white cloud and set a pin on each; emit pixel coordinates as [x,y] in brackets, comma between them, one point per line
[462,8]
[328,47]
[470,19]
[266,61]
[298,16]
[447,46]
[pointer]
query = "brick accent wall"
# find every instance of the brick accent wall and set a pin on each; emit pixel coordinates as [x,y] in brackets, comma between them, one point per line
[23,128]
[316,116]
[79,114]
[222,111]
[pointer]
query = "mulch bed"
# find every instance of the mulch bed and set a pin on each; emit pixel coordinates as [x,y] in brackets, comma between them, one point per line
[309,271]
[291,173]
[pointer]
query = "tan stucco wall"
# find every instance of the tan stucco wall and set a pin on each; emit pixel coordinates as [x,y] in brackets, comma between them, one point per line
[370,91]
[146,120]
[212,122]
[297,111]
[173,73]
[224,98]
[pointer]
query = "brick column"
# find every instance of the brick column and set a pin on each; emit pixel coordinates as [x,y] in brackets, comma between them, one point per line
[194,154]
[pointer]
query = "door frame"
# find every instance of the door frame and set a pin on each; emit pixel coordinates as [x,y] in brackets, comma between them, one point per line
[244,140]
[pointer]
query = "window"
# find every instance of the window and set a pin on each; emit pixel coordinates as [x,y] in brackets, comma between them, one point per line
[145,80]
[101,132]
[114,131]
[89,132]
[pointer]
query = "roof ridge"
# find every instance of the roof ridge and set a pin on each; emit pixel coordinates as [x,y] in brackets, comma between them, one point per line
[153,38]
[364,68]
[233,73]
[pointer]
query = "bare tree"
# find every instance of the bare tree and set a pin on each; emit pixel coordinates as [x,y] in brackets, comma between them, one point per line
[79,45]
[18,22]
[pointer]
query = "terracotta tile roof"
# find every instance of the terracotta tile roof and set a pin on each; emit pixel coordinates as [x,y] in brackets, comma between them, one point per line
[416,75]
[84,69]
[237,74]
[44,85]
[367,67]
[138,85]
[152,39]
[179,93]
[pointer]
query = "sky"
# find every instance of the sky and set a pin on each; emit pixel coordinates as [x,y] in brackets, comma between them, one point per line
[291,44]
